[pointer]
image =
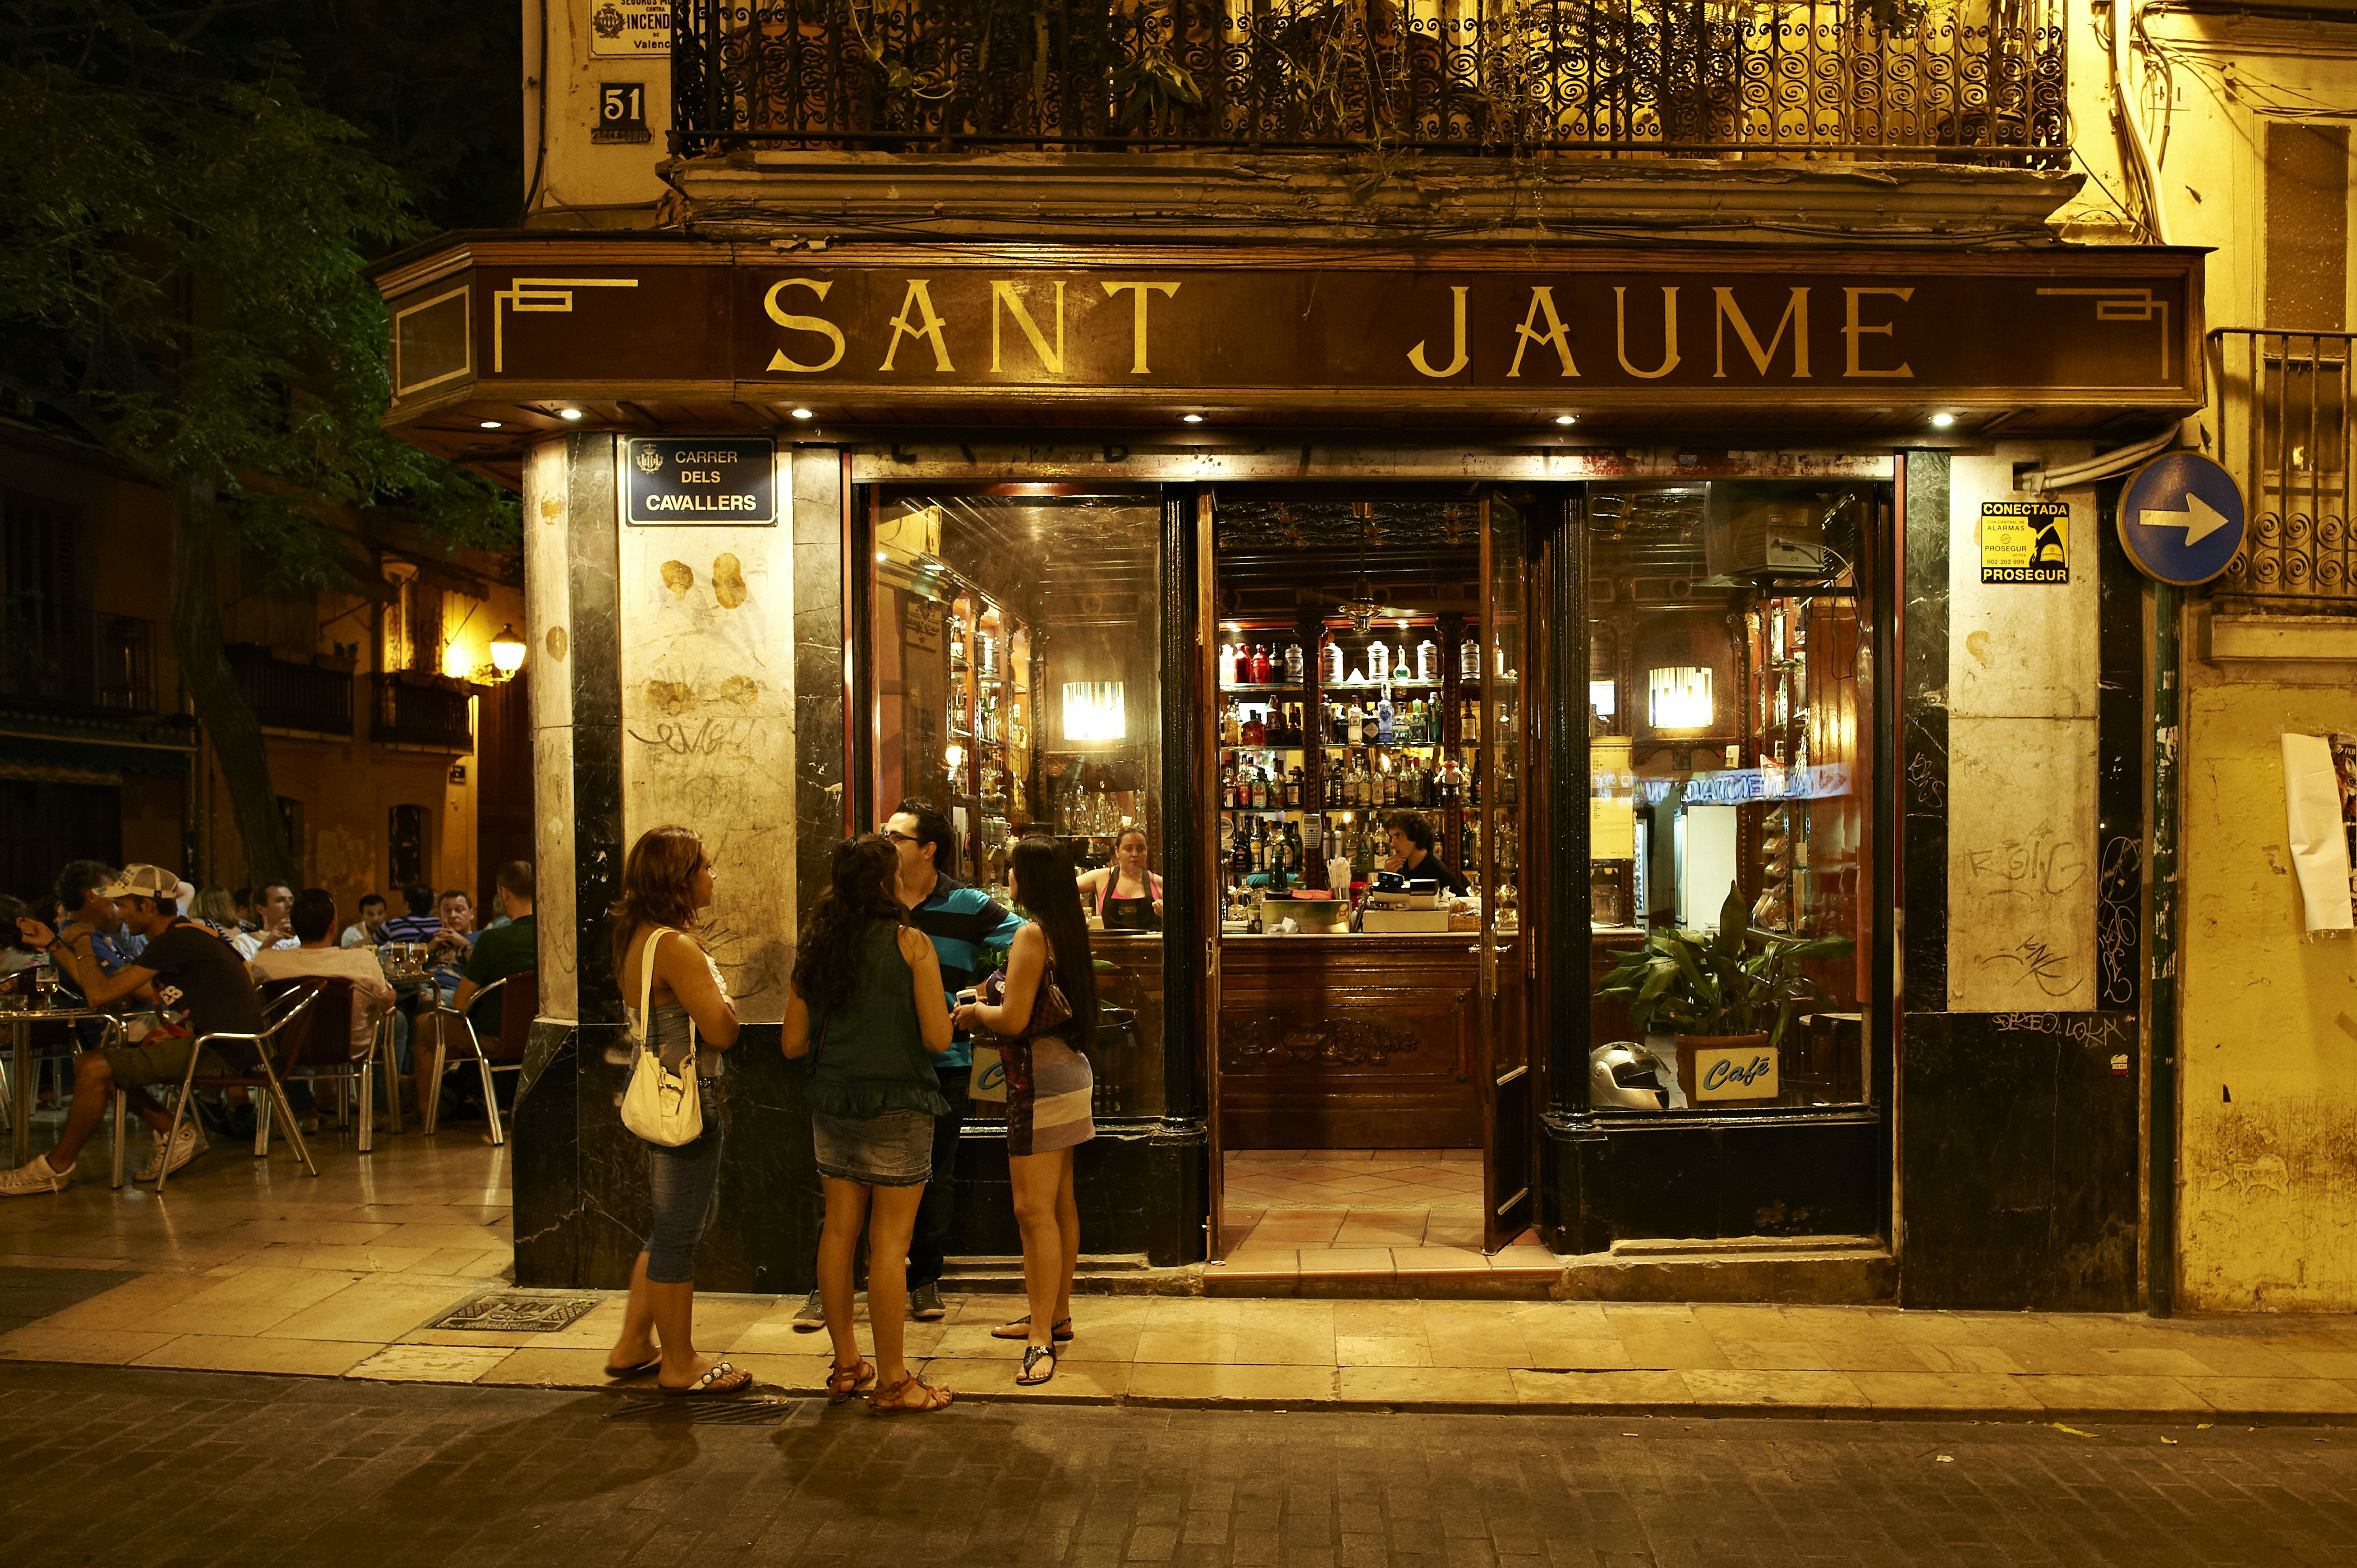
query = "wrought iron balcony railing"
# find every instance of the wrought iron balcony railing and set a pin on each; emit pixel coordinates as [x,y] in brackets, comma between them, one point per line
[2284,409]
[58,655]
[1961,80]
[413,711]
[292,696]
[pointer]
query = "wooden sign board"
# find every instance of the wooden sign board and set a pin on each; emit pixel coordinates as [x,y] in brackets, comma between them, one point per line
[1738,1073]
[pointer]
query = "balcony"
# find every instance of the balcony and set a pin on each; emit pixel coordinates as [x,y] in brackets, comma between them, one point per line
[305,698]
[62,655]
[2283,429]
[417,712]
[1960,81]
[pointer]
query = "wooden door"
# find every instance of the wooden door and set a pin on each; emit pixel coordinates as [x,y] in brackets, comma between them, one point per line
[1201,707]
[1508,1087]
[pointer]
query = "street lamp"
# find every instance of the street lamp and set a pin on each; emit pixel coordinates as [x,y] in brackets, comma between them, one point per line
[507,651]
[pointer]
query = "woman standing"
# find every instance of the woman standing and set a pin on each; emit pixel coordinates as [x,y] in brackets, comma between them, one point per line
[1048,1087]
[867,1007]
[1125,895]
[681,1007]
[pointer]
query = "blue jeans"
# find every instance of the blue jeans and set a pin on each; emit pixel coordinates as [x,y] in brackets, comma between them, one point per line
[683,1182]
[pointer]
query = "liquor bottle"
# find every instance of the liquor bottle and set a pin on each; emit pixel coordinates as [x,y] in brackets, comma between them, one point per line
[1227,664]
[1385,715]
[1296,796]
[1228,785]
[1292,667]
[1400,670]
[1264,665]
[1255,733]
[1354,727]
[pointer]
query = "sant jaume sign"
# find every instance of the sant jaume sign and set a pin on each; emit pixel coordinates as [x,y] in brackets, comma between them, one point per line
[1474,330]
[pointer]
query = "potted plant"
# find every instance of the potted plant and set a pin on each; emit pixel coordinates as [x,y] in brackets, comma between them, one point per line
[1733,987]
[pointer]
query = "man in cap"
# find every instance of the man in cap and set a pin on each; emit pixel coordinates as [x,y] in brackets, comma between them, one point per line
[195,973]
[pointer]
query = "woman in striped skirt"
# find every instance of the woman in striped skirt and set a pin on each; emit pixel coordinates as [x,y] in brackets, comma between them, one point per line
[1048,1088]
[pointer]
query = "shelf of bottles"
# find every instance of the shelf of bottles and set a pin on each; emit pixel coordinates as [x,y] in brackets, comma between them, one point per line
[989,758]
[1318,744]
[1776,716]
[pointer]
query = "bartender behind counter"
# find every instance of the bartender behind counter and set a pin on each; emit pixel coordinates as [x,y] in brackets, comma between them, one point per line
[1126,896]
[1412,854]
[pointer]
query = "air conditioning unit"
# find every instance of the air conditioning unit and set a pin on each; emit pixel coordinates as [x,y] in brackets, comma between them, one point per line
[1762,531]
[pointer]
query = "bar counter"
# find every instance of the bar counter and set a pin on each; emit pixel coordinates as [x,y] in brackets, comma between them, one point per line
[1350,1041]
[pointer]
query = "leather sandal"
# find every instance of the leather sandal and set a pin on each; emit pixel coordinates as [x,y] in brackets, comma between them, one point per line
[1032,1356]
[1021,1329]
[723,1379]
[894,1401]
[842,1381]
[652,1364]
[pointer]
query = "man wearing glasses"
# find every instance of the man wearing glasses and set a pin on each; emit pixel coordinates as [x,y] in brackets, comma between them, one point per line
[963,922]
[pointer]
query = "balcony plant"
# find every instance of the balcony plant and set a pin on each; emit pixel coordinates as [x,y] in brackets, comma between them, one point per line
[1729,985]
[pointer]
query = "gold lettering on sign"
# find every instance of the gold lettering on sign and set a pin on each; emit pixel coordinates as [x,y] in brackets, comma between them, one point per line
[1416,355]
[928,326]
[1007,294]
[1137,317]
[528,296]
[1853,330]
[1796,317]
[1557,335]
[779,362]
[1669,332]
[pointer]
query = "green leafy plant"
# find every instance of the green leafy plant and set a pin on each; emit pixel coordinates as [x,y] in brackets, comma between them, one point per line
[1728,981]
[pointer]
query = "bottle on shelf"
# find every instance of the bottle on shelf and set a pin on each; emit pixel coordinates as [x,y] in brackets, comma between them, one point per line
[1255,732]
[1385,715]
[1468,659]
[1354,726]
[1227,664]
[1330,659]
[1427,660]
[1294,670]
[1379,661]
[1264,667]
[1296,796]
[1400,672]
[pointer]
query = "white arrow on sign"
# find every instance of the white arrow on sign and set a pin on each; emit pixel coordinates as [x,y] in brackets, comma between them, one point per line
[2200,519]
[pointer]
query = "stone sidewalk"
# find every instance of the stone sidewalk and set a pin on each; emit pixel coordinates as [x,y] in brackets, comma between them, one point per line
[254,1268]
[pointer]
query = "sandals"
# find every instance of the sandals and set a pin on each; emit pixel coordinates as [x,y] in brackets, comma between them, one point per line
[1021,1329]
[894,1401]
[652,1364]
[844,1381]
[723,1379]
[1032,1356]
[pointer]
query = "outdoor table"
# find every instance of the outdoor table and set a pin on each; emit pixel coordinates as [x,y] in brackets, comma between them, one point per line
[20,1028]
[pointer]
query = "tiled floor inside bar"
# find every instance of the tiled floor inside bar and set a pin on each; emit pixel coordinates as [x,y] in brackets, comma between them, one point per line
[1382,1219]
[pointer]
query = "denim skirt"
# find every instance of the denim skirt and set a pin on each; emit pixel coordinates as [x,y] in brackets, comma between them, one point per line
[895,1149]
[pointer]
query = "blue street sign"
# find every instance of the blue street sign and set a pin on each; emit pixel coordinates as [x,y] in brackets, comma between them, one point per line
[2182,519]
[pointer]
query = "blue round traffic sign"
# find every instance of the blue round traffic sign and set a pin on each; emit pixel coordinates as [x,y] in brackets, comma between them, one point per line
[2182,519]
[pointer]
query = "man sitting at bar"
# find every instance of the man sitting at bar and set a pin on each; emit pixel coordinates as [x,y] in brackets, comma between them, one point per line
[195,973]
[1412,854]
[317,956]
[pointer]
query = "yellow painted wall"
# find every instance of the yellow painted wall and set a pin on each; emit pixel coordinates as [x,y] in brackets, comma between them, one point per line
[2267,1154]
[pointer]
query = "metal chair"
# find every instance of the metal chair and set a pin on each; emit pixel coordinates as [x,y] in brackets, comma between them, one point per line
[278,1034]
[518,1005]
[331,1048]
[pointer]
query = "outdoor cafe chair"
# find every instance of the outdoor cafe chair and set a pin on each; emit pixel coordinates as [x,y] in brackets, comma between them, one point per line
[328,1048]
[518,1002]
[254,1053]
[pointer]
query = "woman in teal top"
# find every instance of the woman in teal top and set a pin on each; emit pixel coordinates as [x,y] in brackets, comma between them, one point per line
[866,1007]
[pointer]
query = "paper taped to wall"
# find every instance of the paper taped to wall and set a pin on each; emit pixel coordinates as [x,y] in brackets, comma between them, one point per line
[2316,803]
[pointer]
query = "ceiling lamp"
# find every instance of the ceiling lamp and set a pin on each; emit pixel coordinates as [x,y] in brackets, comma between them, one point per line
[1361,609]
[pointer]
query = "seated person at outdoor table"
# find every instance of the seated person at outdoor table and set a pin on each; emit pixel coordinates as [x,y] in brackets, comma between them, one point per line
[318,957]
[363,932]
[195,973]
[271,907]
[84,910]
[1124,894]
[453,940]
[1412,854]
[502,951]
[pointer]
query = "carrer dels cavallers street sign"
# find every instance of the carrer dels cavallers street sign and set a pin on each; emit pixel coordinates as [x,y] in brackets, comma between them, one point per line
[1476,330]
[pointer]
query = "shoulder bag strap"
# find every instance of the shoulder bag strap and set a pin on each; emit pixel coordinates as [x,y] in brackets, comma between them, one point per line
[647,985]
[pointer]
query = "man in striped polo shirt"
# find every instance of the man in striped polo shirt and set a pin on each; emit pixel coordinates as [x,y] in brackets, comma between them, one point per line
[963,923]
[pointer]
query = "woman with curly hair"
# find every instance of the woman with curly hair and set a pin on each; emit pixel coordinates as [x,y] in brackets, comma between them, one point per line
[665,880]
[867,1007]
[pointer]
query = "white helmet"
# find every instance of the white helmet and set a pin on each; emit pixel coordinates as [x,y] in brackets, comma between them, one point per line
[1620,1077]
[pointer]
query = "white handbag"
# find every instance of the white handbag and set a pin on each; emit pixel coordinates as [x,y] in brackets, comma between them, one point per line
[660,1106]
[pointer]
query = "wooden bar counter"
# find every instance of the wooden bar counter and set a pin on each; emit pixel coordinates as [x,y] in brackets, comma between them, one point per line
[1349,1042]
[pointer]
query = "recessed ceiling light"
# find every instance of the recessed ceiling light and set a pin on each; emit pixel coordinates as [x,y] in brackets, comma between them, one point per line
[801,414]
[1192,418]
[1566,419]
[1942,421]
[883,555]
[491,424]
[568,413]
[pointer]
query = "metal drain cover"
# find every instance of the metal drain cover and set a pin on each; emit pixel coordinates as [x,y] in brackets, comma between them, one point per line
[741,1410]
[517,1312]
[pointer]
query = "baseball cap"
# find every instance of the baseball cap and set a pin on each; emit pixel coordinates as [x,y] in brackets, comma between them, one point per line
[144,882]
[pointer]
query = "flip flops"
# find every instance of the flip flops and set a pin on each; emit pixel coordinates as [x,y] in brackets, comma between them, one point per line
[723,1379]
[653,1364]
[1021,1329]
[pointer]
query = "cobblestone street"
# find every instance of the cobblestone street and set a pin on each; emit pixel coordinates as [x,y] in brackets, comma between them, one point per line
[138,1467]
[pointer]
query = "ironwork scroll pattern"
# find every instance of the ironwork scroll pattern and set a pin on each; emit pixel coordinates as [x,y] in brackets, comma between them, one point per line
[2285,431]
[1984,77]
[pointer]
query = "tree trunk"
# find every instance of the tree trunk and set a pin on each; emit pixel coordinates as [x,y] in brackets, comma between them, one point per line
[223,712]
